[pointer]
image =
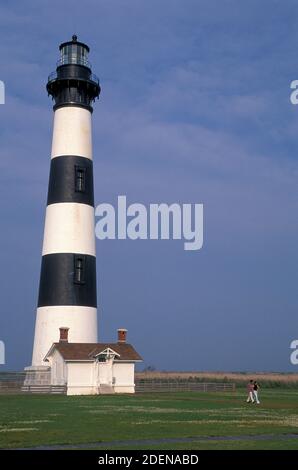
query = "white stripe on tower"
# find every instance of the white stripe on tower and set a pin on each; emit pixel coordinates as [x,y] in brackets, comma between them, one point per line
[67,290]
[69,228]
[72,132]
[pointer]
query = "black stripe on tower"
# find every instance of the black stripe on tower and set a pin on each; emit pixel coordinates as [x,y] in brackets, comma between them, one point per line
[67,279]
[71,180]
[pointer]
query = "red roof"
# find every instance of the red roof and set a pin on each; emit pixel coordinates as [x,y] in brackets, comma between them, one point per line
[87,351]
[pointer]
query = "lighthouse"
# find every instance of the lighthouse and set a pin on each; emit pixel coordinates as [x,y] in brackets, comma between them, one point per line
[67,288]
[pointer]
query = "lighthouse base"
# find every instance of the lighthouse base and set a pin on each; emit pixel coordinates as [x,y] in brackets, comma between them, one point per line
[81,322]
[37,379]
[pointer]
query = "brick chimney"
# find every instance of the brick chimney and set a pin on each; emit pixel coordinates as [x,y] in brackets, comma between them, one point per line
[63,334]
[122,333]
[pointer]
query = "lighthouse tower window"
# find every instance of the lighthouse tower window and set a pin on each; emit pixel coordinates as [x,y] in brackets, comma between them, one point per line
[79,269]
[80,179]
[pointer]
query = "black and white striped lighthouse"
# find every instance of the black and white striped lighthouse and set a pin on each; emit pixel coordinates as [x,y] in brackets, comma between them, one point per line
[67,290]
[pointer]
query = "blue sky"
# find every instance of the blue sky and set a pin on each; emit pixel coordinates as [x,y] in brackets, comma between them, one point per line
[194,108]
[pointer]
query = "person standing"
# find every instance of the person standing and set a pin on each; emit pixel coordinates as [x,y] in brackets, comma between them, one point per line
[255,392]
[250,391]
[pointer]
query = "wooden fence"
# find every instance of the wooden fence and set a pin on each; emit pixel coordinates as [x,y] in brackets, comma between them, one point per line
[19,382]
[148,385]
[11,382]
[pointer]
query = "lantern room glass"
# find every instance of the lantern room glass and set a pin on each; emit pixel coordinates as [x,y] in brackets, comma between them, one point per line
[74,54]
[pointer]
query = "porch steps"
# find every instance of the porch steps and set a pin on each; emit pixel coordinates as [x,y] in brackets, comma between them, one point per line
[106,389]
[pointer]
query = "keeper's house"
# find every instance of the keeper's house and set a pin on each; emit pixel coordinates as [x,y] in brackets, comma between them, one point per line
[93,368]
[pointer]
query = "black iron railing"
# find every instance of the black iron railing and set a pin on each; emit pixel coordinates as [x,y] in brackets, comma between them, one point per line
[93,78]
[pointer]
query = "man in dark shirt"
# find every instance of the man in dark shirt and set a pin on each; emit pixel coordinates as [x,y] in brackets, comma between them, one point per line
[255,392]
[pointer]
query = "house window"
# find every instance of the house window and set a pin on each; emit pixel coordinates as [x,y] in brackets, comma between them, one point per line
[80,179]
[79,269]
[101,358]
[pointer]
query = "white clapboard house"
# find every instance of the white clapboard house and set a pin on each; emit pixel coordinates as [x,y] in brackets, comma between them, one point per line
[93,368]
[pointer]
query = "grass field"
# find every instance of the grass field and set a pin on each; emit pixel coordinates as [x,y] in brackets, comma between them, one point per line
[101,421]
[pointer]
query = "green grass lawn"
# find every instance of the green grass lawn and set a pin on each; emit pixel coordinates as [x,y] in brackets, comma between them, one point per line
[39,420]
